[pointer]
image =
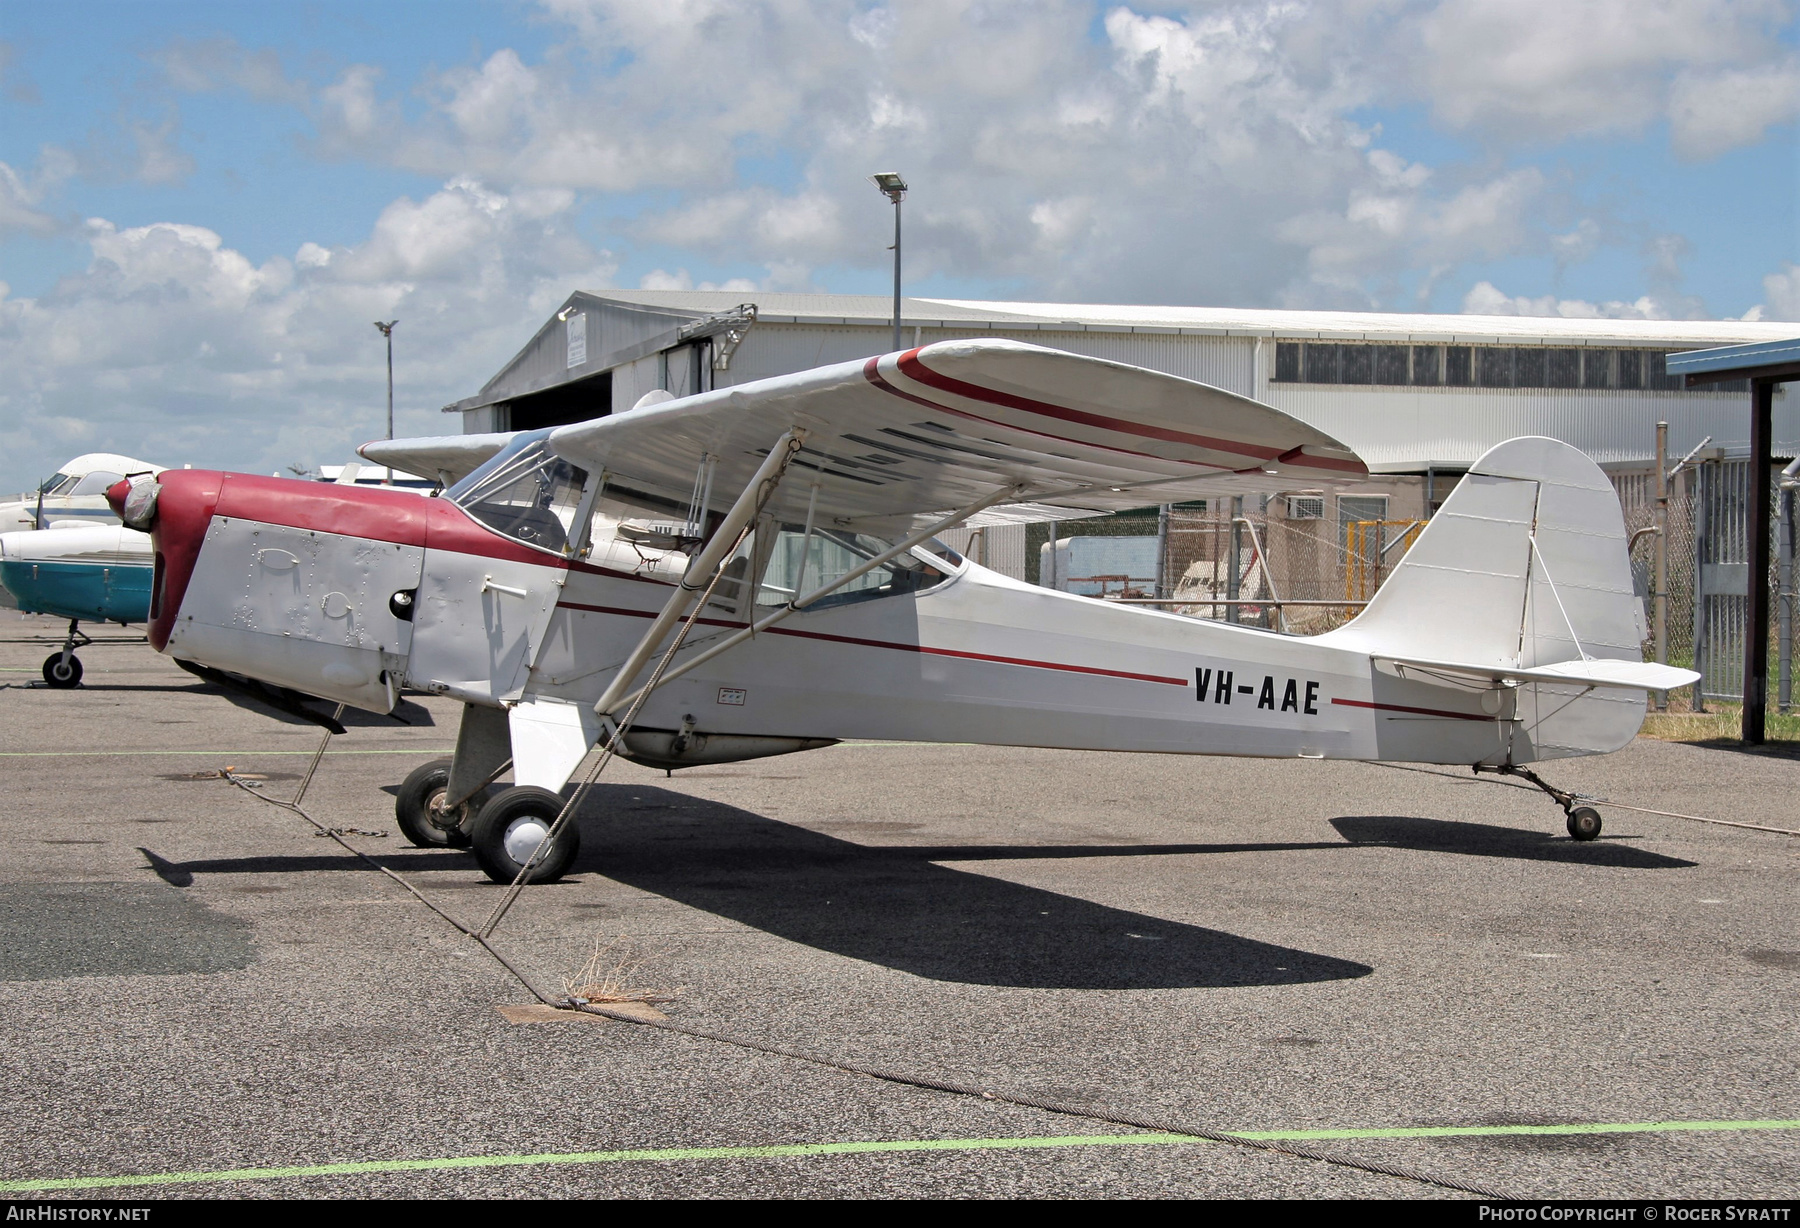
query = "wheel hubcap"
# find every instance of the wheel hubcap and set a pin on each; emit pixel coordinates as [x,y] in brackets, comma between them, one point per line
[523,836]
[435,811]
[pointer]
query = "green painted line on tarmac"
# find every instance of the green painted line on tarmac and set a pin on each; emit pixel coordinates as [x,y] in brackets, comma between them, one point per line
[792,1150]
[89,754]
[1602,1127]
[596,1157]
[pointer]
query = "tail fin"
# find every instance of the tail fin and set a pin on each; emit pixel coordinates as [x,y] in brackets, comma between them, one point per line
[1525,568]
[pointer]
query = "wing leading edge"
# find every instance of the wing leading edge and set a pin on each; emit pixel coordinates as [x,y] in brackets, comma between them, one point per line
[933,429]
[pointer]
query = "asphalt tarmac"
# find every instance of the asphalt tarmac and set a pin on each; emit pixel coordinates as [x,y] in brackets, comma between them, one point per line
[1422,967]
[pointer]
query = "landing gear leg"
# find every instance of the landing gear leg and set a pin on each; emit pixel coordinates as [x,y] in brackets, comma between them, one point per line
[1583,821]
[62,669]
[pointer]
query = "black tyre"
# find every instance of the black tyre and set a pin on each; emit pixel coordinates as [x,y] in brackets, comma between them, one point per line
[62,675]
[419,808]
[512,825]
[1584,823]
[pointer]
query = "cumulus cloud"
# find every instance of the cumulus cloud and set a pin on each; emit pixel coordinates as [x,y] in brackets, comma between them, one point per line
[1485,299]
[1781,295]
[1538,71]
[1063,149]
[681,279]
[169,331]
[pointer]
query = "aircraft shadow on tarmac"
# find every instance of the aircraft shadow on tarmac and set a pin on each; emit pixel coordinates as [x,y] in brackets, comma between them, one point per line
[1487,840]
[181,873]
[894,907]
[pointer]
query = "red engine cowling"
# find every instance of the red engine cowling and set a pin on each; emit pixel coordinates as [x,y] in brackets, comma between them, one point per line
[291,582]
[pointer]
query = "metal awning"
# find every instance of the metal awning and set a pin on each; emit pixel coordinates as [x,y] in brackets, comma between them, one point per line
[1764,364]
[1776,360]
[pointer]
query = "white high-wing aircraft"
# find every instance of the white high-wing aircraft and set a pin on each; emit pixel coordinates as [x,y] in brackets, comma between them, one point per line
[75,492]
[546,587]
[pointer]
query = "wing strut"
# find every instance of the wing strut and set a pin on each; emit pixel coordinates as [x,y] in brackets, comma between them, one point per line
[800,603]
[699,571]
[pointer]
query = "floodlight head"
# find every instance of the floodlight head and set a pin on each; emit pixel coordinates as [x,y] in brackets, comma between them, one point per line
[387,327]
[890,183]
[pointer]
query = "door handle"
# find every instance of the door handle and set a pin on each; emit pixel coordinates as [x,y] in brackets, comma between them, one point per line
[488,586]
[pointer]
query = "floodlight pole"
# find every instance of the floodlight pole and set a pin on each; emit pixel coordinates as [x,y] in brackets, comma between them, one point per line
[896,199]
[893,187]
[387,330]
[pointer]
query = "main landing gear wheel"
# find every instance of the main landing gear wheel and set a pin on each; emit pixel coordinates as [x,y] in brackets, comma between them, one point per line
[1584,823]
[62,672]
[419,808]
[511,827]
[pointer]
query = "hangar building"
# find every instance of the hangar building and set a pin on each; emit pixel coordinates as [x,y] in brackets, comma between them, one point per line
[1419,397]
[1411,393]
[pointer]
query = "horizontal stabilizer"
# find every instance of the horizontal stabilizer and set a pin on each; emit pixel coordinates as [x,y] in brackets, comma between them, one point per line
[1639,675]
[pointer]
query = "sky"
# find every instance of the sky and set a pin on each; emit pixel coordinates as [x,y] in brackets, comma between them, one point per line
[204,206]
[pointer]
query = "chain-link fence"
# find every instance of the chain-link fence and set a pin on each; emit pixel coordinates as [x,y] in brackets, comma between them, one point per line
[1306,564]
[1708,566]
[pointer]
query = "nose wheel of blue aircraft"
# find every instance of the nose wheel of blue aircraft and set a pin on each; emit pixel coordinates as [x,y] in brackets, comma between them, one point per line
[62,669]
[420,810]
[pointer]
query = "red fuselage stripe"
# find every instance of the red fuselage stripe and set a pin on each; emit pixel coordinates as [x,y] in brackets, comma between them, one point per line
[912,366]
[1457,716]
[919,648]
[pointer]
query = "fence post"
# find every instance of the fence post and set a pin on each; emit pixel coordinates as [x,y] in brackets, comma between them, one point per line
[1232,580]
[1162,550]
[1702,529]
[1660,592]
[1784,601]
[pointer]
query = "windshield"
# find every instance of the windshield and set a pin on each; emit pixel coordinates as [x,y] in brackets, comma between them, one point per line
[526,494]
[97,483]
[57,484]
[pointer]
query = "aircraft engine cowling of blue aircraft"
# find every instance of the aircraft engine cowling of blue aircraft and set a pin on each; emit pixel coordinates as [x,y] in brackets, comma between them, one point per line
[295,583]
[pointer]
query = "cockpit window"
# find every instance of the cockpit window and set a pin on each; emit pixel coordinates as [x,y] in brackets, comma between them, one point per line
[97,483]
[58,484]
[833,552]
[526,494]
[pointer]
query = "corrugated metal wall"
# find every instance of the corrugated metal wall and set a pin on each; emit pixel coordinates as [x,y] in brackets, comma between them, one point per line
[1412,427]
[1391,428]
[777,349]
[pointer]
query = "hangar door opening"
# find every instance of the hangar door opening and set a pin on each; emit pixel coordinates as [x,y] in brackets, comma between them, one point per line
[576,401]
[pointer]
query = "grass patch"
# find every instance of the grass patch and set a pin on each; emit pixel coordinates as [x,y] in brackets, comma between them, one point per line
[1721,725]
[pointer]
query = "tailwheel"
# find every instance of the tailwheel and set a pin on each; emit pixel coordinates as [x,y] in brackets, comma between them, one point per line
[62,670]
[1584,823]
[419,808]
[512,825]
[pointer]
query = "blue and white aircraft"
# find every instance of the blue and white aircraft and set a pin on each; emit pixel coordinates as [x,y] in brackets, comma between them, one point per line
[63,552]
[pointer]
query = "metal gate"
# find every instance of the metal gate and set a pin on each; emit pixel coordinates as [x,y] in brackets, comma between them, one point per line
[1722,579]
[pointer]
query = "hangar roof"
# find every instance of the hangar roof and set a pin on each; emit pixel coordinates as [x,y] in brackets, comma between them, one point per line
[789,308]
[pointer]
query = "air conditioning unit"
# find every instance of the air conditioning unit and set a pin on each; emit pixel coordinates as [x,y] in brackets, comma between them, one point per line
[1305,507]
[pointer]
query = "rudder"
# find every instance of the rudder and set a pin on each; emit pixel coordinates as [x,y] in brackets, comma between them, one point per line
[1525,565]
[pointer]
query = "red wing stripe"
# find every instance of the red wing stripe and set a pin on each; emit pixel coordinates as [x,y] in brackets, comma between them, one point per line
[1458,716]
[914,368]
[872,371]
[918,648]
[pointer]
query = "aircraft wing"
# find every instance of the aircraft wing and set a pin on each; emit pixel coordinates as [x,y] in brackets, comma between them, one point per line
[937,428]
[449,458]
